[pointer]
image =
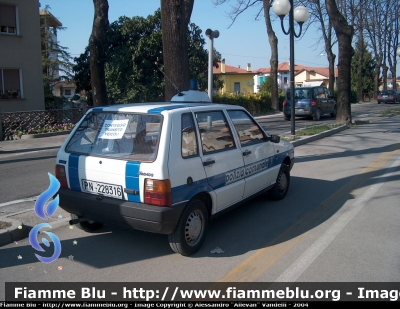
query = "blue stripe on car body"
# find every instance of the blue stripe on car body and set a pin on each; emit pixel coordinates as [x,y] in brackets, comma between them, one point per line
[132,179]
[184,192]
[159,110]
[73,172]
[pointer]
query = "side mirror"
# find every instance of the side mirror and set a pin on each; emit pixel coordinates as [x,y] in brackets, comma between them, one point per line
[275,138]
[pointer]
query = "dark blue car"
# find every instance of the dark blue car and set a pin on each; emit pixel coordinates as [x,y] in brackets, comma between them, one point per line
[310,102]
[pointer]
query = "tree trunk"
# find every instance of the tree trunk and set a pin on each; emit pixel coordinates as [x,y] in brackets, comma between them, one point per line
[97,45]
[175,16]
[360,69]
[344,33]
[273,42]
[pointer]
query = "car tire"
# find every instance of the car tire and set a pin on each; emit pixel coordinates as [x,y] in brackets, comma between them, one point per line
[286,117]
[333,114]
[191,229]
[281,187]
[379,102]
[87,226]
[317,115]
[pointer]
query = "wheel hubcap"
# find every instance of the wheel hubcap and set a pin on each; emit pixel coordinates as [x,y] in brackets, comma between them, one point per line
[194,228]
[282,184]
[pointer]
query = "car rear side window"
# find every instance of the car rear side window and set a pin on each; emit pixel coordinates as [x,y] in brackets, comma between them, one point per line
[124,136]
[215,133]
[189,138]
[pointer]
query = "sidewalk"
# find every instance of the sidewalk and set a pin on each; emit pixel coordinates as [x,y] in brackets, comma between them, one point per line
[16,226]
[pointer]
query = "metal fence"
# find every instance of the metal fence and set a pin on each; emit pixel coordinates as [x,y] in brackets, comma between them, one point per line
[14,122]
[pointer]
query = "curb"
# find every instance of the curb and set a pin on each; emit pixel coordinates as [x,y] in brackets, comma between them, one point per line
[12,233]
[18,231]
[318,136]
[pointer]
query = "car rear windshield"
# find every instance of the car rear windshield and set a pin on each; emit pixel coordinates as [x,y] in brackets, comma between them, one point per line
[299,94]
[385,92]
[124,136]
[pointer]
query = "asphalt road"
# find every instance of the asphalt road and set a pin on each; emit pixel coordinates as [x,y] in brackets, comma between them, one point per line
[338,223]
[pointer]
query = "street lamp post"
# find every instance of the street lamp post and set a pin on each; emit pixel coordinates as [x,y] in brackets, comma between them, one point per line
[211,35]
[300,14]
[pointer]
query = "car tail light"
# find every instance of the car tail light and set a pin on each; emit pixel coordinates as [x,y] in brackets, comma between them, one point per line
[157,192]
[391,96]
[61,176]
[313,103]
[284,103]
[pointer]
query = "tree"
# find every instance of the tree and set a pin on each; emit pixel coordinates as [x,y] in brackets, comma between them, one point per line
[365,76]
[266,86]
[97,47]
[239,8]
[344,33]
[319,15]
[175,17]
[134,62]
[56,60]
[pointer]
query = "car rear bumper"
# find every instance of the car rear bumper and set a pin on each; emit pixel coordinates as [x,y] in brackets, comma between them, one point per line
[387,100]
[298,112]
[139,216]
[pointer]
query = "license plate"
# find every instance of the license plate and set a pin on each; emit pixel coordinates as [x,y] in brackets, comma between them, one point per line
[101,188]
[385,96]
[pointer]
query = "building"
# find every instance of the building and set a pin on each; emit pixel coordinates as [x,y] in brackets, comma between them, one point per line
[283,75]
[236,80]
[303,76]
[314,77]
[21,80]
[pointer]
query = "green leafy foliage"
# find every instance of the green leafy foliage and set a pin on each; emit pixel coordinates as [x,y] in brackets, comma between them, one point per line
[367,73]
[56,60]
[257,104]
[134,65]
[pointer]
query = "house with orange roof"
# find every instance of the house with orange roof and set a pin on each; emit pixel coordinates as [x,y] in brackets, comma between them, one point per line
[283,75]
[304,76]
[314,77]
[236,80]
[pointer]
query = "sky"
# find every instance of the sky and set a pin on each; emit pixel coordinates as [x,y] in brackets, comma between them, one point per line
[243,42]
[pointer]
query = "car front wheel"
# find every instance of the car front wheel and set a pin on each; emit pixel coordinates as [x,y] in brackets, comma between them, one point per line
[191,229]
[281,187]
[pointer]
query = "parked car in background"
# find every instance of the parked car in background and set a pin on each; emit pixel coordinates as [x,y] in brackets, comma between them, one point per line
[389,96]
[310,102]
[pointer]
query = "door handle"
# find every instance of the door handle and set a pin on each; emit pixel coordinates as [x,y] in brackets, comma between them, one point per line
[209,162]
[246,152]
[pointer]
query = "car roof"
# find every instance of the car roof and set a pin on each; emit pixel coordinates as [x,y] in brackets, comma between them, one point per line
[159,107]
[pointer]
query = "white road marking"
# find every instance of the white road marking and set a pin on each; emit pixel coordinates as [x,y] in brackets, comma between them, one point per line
[29,199]
[307,258]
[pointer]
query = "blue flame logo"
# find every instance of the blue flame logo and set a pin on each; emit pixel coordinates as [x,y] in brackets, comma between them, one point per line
[46,212]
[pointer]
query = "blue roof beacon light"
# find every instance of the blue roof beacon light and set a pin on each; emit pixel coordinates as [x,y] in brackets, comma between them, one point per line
[193,95]
[194,84]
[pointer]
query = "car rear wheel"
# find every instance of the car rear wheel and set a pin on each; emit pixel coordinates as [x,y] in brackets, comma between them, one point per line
[379,102]
[333,114]
[191,229]
[286,117]
[281,187]
[87,226]
[317,115]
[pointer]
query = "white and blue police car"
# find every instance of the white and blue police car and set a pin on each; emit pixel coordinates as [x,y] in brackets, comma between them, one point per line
[168,167]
